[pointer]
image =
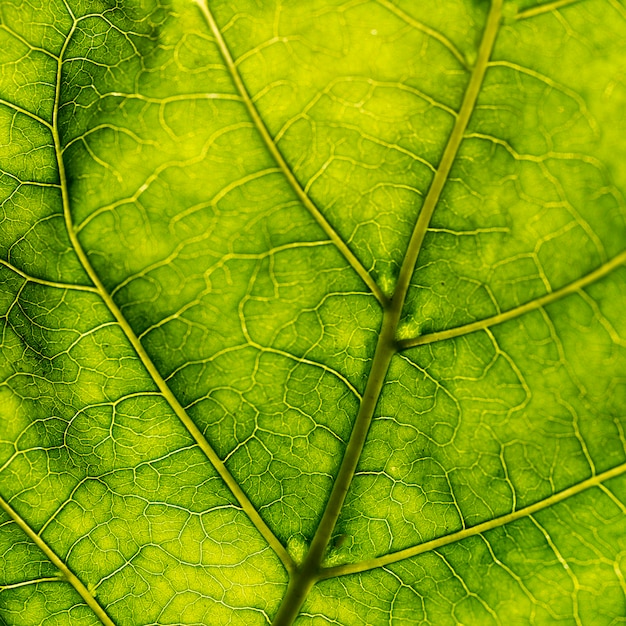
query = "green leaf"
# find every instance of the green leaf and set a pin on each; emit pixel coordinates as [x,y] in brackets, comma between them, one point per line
[312,312]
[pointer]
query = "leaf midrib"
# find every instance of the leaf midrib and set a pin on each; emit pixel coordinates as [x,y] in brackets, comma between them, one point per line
[309,572]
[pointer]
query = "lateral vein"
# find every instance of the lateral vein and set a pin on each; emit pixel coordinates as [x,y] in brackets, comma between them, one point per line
[152,370]
[19,109]
[269,142]
[511,314]
[472,531]
[549,7]
[431,32]
[68,575]
[43,281]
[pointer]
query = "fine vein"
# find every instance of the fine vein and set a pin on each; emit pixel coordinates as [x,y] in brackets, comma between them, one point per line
[43,281]
[528,511]
[309,571]
[431,32]
[19,109]
[545,8]
[67,573]
[166,392]
[280,160]
[34,581]
[532,305]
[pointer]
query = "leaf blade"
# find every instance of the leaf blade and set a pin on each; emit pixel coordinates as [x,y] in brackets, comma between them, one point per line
[258,330]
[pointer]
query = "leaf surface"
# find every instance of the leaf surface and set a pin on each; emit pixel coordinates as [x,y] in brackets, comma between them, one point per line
[312,312]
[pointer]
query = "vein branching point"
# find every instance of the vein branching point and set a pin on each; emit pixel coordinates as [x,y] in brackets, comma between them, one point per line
[312,312]
[309,572]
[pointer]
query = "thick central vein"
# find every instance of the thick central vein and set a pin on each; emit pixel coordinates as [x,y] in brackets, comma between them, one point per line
[309,572]
[152,370]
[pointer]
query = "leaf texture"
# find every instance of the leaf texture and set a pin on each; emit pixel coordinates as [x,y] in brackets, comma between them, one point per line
[312,312]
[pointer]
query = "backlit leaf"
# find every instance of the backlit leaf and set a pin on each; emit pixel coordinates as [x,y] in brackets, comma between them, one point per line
[312,312]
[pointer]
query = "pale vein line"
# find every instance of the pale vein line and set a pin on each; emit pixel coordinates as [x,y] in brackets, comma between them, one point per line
[444,41]
[532,305]
[35,581]
[308,573]
[27,43]
[167,393]
[18,109]
[43,546]
[68,575]
[302,360]
[355,568]
[280,160]
[545,8]
[43,281]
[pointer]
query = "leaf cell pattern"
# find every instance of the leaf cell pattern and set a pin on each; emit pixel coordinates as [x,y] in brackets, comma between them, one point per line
[312,313]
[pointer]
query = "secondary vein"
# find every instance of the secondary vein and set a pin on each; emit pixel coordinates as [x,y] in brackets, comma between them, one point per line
[152,370]
[528,511]
[431,32]
[549,7]
[47,283]
[269,142]
[532,305]
[68,575]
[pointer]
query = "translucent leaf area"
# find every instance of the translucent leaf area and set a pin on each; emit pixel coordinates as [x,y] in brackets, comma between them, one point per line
[312,312]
